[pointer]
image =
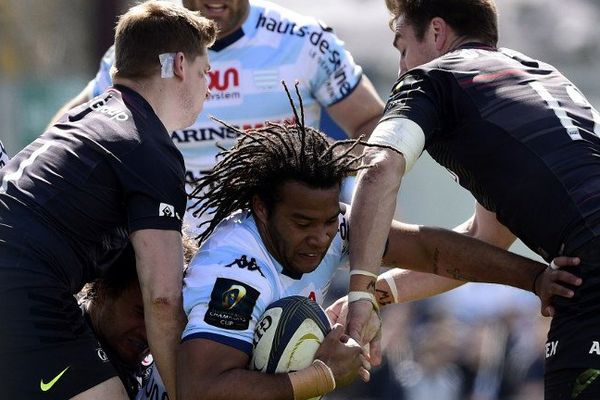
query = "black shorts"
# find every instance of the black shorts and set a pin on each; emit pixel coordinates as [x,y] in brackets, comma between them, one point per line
[574,336]
[47,351]
[572,384]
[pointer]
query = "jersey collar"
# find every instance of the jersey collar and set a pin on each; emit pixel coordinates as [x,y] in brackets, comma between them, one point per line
[476,45]
[227,40]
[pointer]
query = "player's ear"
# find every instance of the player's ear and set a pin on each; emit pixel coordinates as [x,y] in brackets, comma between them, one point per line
[439,29]
[259,208]
[179,63]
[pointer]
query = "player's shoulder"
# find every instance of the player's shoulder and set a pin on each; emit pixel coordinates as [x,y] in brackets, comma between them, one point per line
[235,245]
[236,231]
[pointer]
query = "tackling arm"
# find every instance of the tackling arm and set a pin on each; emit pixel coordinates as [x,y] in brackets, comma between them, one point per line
[159,261]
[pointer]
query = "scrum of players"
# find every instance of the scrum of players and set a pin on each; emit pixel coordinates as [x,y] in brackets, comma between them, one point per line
[98,200]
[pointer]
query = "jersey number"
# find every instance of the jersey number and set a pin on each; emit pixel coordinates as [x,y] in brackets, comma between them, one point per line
[14,176]
[561,113]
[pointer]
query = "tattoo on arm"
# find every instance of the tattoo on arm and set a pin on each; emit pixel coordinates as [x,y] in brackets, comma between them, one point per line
[383,297]
[371,285]
[456,274]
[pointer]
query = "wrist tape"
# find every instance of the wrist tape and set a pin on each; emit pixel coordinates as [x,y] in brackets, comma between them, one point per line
[312,381]
[392,284]
[358,295]
[363,272]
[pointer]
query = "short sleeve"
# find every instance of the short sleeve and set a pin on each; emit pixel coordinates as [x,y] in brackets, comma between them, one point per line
[224,294]
[337,75]
[415,97]
[152,177]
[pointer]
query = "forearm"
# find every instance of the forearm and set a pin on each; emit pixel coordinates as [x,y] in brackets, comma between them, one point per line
[410,286]
[309,382]
[159,262]
[464,258]
[164,323]
[236,384]
[373,207]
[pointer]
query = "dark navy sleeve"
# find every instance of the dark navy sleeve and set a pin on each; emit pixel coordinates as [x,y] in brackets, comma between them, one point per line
[153,181]
[415,97]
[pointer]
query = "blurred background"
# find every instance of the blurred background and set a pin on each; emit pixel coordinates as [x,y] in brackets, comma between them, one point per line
[477,342]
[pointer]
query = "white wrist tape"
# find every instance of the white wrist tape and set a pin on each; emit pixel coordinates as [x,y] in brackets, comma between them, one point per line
[363,272]
[358,295]
[553,265]
[392,284]
[403,135]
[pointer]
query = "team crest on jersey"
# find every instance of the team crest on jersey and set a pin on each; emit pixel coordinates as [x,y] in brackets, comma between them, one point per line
[231,305]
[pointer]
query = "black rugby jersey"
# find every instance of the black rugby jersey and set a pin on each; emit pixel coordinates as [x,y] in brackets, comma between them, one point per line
[72,197]
[517,134]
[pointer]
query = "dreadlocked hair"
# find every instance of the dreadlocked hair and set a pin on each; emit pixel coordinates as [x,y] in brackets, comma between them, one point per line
[263,159]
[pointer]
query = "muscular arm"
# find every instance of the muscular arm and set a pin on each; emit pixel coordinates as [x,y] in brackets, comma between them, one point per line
[358,113]
[373,207]
[457,256]
[483,225]
[211,370]
[159,260]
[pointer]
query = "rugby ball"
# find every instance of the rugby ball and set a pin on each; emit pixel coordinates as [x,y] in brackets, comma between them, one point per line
[288,335]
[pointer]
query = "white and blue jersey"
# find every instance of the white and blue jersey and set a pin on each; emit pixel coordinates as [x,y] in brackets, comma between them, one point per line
[247,68]
[233,278]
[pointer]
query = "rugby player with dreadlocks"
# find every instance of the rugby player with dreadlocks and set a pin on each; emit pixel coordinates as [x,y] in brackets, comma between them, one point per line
[277,230]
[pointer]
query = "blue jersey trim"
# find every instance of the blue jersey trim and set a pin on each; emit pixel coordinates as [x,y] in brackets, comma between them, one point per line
[360,76]
[226,340]
[227,40]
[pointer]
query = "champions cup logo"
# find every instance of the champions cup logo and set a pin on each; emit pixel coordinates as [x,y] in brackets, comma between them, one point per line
[233,296]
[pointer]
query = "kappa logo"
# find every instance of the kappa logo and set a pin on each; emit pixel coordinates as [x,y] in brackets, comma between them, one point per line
[243,262]
[44,387]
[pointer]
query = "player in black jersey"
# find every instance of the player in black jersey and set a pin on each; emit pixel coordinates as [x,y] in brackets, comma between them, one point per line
[105,174]
[521,138]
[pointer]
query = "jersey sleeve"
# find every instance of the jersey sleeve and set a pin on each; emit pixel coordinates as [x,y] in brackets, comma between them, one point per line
[417,97]
[224,295]
[103,79]
[337,75]
[154,190]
